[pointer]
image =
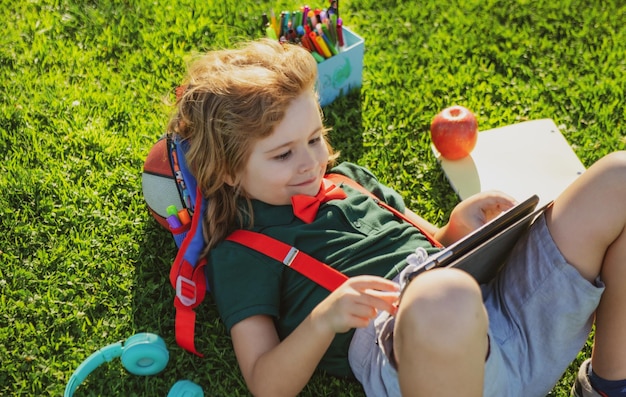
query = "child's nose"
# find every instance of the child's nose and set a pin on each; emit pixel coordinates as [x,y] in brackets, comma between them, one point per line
[308,160]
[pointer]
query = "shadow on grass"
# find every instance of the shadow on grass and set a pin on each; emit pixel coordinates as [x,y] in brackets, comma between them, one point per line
[153,303]
[344,118]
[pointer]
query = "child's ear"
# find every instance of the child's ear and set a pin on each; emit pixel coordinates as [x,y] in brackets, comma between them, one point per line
[229,180]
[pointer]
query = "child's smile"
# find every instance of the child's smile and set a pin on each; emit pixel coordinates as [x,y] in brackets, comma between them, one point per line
[292,160]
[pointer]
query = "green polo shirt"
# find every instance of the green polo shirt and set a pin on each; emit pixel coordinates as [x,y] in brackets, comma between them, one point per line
[355,236]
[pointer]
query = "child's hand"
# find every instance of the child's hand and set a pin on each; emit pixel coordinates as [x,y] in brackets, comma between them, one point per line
[474,212]
[356,302]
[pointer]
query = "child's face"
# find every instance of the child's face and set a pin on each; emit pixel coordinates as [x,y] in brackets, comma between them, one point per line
[292,160]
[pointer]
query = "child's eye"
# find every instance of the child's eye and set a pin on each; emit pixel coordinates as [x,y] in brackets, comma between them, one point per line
[315,140]
[283,156]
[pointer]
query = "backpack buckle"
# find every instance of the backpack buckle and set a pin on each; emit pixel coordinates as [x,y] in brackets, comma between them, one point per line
[186,290]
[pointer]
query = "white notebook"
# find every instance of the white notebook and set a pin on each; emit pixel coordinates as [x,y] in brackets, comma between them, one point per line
[522,159]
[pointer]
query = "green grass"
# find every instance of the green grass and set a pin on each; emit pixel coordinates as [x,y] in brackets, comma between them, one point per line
[83,265]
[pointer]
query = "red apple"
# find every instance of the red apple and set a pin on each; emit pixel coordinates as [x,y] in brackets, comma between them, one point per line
[454,132]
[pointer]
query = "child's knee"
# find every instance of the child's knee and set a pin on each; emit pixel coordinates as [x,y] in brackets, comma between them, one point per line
[442,307]
[619,157]
[614,166]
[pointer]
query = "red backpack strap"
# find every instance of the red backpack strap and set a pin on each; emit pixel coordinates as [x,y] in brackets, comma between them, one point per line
[188,278]
[304,264]
[339,178]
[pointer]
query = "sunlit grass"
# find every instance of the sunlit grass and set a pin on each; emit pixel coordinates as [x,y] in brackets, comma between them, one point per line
[82,84]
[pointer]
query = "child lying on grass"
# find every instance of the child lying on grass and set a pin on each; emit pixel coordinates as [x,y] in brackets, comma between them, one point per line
[257,144]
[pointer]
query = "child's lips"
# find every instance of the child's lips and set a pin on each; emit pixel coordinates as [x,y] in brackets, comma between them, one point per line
[309,187]
[307,182]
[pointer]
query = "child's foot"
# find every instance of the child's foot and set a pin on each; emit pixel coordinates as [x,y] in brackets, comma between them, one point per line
[589,384]
[582,386]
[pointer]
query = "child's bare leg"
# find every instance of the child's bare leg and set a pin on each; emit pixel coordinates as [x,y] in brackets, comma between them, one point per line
[440,337]
[609,351]
[588,224]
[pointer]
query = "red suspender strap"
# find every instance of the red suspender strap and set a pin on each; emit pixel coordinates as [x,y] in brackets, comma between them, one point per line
[338,178]
[189,279]
[306,265]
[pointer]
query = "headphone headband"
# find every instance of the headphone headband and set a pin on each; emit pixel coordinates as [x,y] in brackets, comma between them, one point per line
[142,354]
[106,354]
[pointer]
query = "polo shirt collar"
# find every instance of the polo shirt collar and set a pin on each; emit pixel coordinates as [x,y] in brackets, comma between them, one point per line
[271,215]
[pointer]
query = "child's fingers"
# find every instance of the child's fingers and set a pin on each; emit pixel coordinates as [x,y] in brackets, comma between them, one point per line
[363,283]
[362,297]
[389,297]
[377,292]
[386,301]
[379,300]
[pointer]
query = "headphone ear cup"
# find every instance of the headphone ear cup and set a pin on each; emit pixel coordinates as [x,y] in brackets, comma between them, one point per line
[145,354]
[185,388]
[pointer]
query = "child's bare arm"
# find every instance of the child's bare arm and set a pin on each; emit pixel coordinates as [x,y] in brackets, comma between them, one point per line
[271,367]
[421,222]
[466,216]
[472,213]
[274,368]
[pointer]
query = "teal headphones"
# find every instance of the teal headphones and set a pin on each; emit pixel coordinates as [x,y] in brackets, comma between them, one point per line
[142,354]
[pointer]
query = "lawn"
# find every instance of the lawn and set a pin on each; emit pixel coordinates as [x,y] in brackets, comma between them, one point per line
[83,90]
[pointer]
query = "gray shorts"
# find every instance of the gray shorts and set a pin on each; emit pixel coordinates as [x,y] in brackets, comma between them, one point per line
[540,314]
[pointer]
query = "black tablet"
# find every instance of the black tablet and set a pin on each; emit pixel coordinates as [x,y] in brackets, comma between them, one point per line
[483,252]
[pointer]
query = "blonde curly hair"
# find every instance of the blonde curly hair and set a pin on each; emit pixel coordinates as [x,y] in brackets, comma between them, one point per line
[231,99]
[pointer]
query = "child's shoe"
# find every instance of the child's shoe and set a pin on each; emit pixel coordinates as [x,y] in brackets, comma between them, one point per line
[582,386]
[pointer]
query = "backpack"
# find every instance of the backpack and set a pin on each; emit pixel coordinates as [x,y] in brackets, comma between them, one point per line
[174,200]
